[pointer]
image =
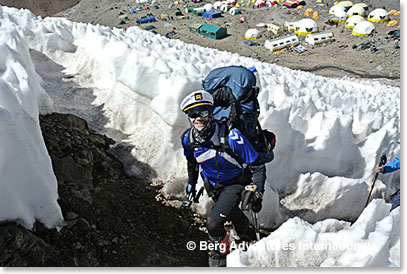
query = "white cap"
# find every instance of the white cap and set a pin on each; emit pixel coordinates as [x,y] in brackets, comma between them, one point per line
[195,99]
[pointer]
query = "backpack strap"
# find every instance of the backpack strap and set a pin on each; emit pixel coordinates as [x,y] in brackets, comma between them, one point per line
[224,144]
[223,140]
[223,135]
[191,145]
[183,134]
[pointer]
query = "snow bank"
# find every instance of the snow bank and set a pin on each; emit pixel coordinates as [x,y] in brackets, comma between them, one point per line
[28,187]
[328,243]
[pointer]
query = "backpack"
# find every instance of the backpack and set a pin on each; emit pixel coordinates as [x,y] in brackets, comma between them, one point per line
[235,94]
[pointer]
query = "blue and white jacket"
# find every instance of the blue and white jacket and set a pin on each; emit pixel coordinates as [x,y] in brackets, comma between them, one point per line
[220,167]
[392,166]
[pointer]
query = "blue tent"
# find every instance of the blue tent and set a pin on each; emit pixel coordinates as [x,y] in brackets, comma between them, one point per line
[212,14]
[144,20]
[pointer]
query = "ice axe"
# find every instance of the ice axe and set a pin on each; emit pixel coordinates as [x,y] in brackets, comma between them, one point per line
[383,160]
[247,205]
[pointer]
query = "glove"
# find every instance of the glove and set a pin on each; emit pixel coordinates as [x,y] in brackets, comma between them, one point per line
[252,200]
[257,200]
[190,188]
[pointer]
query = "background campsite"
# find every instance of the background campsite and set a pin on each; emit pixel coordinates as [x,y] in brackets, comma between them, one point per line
[348,55]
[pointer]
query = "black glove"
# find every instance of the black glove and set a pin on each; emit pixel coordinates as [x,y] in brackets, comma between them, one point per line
[251,199]
[257,200]
[190,188]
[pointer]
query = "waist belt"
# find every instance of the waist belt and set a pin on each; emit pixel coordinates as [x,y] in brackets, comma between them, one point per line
[214,191]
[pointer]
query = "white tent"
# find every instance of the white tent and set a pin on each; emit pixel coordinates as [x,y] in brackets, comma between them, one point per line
[352,21]
[363,5]
[234,11]
[378,15]
[346,4]
[363,28]
[217,5]
[336,8]
[225,8]
[339,16]
[356,10]
[252,34]
[208,7]
[306,26]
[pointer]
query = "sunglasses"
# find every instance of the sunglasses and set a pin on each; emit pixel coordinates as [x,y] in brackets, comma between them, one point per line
[196,114]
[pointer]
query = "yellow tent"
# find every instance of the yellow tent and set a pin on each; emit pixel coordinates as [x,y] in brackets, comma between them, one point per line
[378,15]
[393,23]
[346,4]
[363,5]
[338,16]
[352,21]
[315,15]
[252,34]
[300,7]
[356,10]
[363,28]
[306,26]
[335,9]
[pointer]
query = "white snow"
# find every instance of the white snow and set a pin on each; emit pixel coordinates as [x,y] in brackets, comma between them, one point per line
[328,243]
[128,84]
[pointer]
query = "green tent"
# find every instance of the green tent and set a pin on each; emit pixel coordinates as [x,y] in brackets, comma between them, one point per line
[213,32]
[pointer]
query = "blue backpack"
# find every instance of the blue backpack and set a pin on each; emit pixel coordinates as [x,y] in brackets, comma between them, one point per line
[235,94]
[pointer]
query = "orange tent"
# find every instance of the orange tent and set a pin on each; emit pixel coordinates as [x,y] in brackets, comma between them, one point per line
[308,12]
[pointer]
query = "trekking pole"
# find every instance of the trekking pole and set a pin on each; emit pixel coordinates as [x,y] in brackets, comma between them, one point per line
[383,160]
[198,195]
[256,225]
[246,205]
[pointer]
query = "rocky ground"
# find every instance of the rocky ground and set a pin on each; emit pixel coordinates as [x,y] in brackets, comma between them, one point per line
[111,219]
[41,7]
